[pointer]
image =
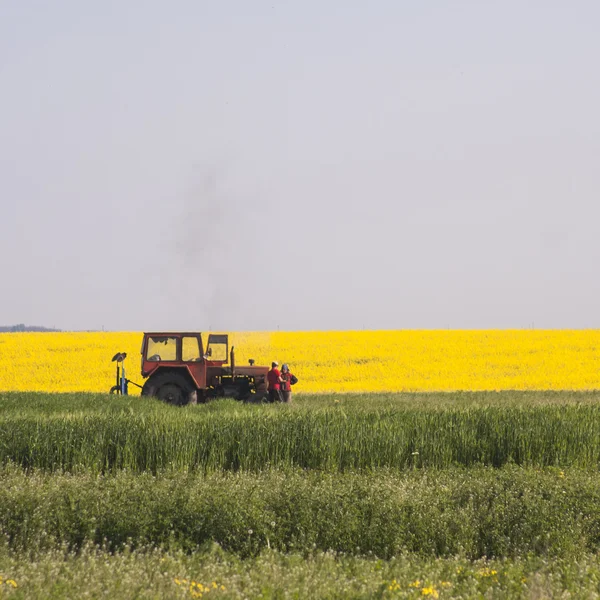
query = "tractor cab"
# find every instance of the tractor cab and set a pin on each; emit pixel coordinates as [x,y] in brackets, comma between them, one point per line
[175,348]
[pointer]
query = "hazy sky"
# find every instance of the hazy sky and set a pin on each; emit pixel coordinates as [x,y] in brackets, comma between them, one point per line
[304,164]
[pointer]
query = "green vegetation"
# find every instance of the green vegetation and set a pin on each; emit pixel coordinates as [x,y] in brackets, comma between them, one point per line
[476,513]
[334,433]
[153,574]
[465,495]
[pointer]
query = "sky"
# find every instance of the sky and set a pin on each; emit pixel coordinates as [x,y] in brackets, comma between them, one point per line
[324,164]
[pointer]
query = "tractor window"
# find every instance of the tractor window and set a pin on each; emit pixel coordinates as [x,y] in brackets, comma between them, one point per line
[190,349]
[217,348]
[161,348]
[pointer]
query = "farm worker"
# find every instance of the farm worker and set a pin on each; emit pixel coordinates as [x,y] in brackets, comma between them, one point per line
[288,380]
[274,380]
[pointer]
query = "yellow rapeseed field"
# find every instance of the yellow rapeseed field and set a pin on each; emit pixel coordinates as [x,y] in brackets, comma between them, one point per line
[332,361]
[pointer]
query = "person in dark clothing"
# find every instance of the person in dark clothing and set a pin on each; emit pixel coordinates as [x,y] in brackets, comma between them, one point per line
[274,380]
[287,380]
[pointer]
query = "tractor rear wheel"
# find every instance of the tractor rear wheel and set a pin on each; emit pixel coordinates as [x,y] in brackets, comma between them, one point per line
[172,388]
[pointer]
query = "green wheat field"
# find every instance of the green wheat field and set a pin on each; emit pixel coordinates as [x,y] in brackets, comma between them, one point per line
[451,495]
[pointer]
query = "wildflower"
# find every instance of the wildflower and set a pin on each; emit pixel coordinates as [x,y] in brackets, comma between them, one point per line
[11,582]
[415,584]
[430,591]
[487,572]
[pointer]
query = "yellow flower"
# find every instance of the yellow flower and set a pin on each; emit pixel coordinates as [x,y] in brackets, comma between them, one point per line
[415,584]
[487,572]
[430,591]
[11,582]
[393,586]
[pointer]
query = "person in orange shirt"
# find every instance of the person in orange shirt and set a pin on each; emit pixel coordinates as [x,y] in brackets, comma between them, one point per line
[274,380]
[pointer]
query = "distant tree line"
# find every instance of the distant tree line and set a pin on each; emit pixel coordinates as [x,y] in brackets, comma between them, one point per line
[21,328]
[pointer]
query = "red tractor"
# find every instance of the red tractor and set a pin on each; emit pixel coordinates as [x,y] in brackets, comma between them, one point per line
[180,370]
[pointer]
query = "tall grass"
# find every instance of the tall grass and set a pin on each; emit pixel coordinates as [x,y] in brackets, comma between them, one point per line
[104,434]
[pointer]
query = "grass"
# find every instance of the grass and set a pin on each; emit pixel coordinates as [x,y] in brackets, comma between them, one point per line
[466,495]
[477,512]
[331,433]
[152,574]
[41,403]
